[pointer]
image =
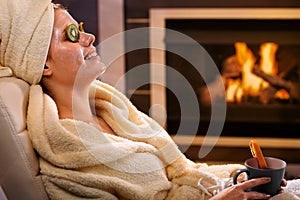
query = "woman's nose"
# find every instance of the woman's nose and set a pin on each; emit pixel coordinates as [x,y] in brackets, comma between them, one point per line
[86,39]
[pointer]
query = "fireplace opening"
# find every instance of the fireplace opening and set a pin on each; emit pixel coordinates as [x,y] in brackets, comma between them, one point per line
[259,63]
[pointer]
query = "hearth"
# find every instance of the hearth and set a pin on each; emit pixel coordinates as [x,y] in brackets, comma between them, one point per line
[266,104]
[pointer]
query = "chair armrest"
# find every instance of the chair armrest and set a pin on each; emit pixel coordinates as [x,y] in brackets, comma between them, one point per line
[2,194]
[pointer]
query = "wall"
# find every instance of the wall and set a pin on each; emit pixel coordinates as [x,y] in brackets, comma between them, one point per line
[84,11]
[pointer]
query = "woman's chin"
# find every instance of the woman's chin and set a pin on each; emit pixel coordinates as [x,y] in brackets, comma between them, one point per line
[102,69]
[95,64]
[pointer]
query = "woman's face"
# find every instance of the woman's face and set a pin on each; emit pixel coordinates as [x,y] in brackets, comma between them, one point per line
[69,61]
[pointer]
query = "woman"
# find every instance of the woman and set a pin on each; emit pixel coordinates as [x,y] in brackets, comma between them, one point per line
[92,142]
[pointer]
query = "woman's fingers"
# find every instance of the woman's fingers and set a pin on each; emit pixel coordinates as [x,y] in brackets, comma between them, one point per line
[257,195]
[238,191]
[254,182]
[283,183]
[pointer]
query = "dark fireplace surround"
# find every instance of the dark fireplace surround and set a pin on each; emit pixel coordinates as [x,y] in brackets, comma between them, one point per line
[279,119]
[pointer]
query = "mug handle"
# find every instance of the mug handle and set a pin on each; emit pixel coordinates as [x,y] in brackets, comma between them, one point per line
[236,175]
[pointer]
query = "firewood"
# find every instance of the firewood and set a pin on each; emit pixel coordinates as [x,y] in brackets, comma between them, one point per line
[267,94]
[279,83]
[231,68]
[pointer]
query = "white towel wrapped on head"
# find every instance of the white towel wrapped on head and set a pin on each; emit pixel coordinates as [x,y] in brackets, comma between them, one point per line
[25,34]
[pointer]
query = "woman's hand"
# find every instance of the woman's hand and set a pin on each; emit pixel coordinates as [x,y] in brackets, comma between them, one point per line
[283,184]
[237,192]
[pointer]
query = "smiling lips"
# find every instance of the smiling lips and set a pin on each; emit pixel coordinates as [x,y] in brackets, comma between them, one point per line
[91,55]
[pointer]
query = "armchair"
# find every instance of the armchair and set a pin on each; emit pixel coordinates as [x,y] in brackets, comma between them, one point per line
[19,170]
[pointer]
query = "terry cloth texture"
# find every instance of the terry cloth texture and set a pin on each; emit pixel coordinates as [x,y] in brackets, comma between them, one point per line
[78,161]
[25,34]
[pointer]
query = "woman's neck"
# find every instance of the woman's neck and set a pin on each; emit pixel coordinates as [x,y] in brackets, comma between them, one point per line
[73,104]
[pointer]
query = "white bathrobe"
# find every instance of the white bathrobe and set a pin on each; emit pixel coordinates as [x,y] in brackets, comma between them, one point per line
[78,161]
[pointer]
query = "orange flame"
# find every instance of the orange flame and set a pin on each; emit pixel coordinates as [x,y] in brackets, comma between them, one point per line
[251,84]
[268,61]
[234,92]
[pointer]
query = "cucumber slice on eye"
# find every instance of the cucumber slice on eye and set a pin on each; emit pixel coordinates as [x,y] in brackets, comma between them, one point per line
[73,33]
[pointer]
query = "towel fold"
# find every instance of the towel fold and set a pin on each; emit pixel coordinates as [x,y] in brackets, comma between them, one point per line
[5,71]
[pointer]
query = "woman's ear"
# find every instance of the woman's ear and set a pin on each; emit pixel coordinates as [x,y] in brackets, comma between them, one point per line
[47,71]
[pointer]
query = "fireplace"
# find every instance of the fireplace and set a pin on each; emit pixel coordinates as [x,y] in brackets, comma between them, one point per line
[226,34]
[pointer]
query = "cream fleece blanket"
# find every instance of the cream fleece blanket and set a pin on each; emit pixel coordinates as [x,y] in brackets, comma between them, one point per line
[78,161]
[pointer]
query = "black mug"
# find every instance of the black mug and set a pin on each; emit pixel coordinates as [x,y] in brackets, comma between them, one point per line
[276,169]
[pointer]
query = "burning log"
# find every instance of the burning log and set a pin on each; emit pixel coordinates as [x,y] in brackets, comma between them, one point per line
[245,81]
[214,90]
[231,68]
[290,62]
[293,88]
[267,94]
